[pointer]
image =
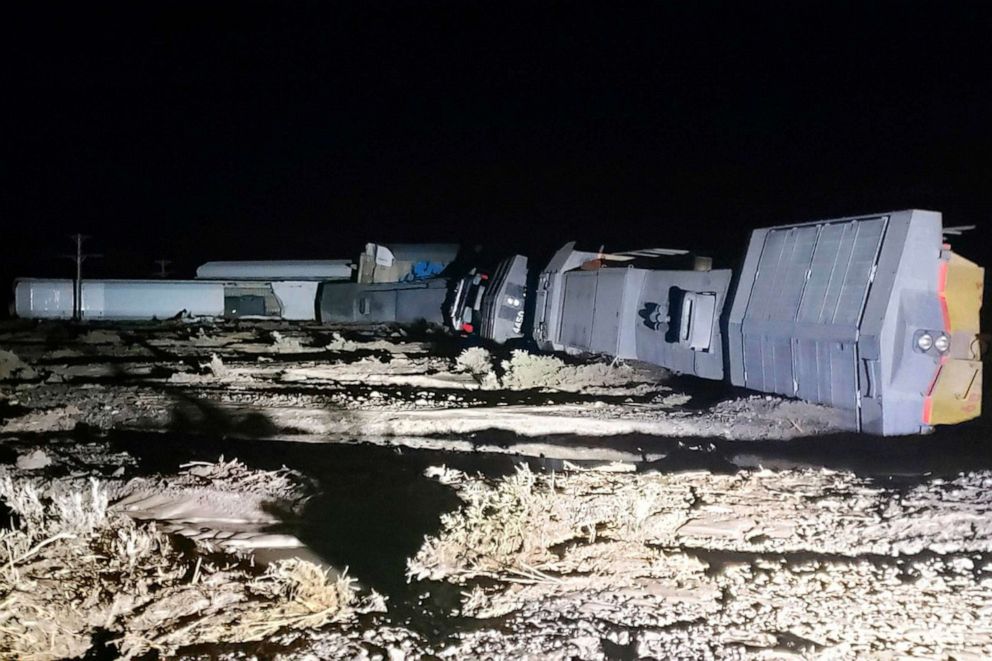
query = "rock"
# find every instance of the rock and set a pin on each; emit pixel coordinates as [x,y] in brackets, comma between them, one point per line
[13,368]
[34,460]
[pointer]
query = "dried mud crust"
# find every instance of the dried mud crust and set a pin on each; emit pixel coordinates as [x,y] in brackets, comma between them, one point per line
[271,379]
[814,563]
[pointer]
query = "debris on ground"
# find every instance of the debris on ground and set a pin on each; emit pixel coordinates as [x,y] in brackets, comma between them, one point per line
[340,343]
[445,475]
[284,344]
[59,418]
[216,366]
[13,368]
[33,460]
[101,336]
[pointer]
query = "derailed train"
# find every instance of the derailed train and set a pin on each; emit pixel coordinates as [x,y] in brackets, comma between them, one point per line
[873,315]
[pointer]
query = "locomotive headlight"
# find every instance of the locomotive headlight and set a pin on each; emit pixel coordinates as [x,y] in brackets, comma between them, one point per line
[924,342]
[515,302]
[942,343]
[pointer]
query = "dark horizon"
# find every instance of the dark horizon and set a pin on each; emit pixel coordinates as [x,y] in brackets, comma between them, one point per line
[264,131]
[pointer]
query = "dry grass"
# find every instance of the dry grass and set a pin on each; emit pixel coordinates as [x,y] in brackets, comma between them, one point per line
[233,475]
[70,567]
[340,343]
[283,344]
[585,551]
[510,529]
[525,370]
[216,366]
[474,360]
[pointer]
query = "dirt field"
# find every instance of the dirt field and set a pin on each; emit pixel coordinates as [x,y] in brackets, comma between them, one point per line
[276,379]
[391,494]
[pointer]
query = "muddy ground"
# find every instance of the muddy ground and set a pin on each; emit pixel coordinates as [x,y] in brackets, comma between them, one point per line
[485,504]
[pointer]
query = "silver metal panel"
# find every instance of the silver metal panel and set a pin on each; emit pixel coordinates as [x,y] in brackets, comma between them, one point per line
[698,314]
[351,302]
[577,311]
[627,312]
[841,267]
[630,320]
[825,372]
[504,300]
[606,312]
[739,302]
[768,364]
[655,341]
[831,319]
[772,308]
[297,299]
[800,325]
[548,295]
[903,298]
[778,286]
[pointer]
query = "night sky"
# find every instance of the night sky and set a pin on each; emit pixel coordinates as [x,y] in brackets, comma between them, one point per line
[209,130]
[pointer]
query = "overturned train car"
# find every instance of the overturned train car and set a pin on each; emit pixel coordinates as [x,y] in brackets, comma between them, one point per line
[873,315]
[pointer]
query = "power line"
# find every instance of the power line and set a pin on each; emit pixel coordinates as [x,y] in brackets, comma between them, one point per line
[163,272]
[77,284]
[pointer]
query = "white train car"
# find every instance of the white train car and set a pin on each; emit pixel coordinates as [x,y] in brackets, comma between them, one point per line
[51,298]
[45,298]
[273,270]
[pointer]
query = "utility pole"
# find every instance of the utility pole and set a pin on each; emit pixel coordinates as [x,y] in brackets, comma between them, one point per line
[77,284]
[163,272]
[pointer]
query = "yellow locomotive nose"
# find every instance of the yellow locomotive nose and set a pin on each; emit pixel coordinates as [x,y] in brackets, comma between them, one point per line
[955,394]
